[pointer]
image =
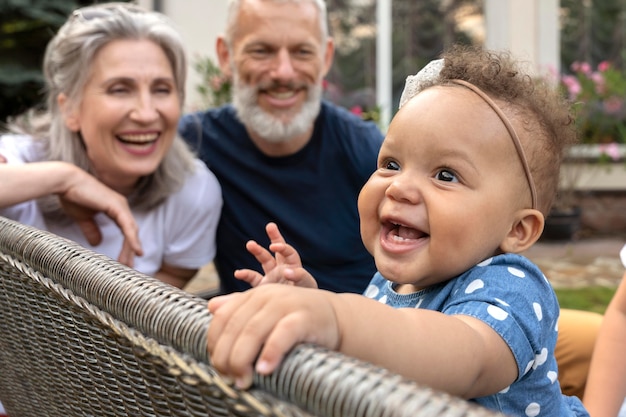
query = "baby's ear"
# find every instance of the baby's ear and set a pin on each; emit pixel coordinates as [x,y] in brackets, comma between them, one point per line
[524,232]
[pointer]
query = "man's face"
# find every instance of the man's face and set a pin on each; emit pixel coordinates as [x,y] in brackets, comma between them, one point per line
[278,58]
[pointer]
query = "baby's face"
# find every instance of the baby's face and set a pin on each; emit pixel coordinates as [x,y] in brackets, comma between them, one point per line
[448,184]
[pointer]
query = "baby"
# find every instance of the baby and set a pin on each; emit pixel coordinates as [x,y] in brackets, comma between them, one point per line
[466,174]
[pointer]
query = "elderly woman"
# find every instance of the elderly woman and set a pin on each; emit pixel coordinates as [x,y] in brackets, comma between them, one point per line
[103,165]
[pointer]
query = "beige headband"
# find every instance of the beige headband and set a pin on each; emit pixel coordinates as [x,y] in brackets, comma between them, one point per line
[416,83]
[512,133]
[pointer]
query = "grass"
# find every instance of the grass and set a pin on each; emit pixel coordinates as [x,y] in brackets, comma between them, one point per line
[586,298]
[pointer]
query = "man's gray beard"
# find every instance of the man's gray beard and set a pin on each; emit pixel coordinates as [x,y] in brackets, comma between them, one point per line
[265,124]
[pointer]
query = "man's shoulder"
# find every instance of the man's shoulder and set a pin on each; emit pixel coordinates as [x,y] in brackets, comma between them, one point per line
[336,112]
[223,113]
[343,123]
[200,126]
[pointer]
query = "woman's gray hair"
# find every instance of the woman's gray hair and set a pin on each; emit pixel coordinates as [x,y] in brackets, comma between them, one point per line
[67,62]
[235,5]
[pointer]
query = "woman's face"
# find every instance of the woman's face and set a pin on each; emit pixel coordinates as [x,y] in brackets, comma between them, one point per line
[129,112]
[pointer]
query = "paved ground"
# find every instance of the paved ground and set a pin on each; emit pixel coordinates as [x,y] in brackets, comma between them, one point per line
[204,280]
[585,262]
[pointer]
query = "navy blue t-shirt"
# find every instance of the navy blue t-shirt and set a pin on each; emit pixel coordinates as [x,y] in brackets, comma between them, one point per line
[311,195]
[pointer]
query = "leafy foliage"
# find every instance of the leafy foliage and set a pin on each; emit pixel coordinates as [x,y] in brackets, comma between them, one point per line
[26,26]
[214,87]
[421,30]
[592,31]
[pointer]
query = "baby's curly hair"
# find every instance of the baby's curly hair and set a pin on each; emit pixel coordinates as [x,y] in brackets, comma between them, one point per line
[543,111]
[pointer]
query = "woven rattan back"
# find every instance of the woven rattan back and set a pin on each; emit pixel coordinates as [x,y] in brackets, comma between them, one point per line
[82,335]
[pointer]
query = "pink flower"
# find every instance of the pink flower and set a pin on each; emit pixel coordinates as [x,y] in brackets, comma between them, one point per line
[358,110]
[603,66]
[585,68]
[611,149]
[216,82]
[573,85]
[613,105]
[599,81]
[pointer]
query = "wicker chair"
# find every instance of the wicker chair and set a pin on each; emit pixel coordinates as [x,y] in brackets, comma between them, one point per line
[82,335]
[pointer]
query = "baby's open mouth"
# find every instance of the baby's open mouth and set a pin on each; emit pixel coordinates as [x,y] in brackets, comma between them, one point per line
[400,232]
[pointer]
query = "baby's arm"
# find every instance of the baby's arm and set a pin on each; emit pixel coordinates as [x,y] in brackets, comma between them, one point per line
[457,354]
[284,268]
[606,384]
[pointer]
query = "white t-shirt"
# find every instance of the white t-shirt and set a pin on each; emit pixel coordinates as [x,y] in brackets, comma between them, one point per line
[179,232]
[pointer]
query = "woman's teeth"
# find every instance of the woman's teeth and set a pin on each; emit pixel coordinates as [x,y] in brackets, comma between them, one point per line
[139,139]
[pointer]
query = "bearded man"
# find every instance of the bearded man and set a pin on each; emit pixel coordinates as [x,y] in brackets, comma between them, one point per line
[280,152]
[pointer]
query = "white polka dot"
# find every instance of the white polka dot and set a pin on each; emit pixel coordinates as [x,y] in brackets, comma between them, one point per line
[556,326]
[529,366]
[371,291]
[538,311]
[541,358]
[474,285]
[504,391]
[383,299]
[485,262]
[533,410]
[516,272]
[497,313]
[504,303]
[419,303]
[552,376]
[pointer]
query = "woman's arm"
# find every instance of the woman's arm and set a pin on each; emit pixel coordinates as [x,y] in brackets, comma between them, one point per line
[81,194]
[24,182]
[178,277]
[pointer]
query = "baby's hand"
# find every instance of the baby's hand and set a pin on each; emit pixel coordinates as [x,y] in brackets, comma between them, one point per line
[267,322]
[284,268]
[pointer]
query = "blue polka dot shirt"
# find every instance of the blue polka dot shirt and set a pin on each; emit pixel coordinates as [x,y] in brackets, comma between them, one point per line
[512,296]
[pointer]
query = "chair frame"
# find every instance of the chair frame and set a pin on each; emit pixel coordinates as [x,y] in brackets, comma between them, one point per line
[83,335]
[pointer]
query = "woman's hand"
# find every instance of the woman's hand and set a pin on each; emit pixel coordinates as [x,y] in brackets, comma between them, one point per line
[84,197]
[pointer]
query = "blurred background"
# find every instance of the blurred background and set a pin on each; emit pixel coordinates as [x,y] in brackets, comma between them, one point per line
[551,34]
[579,45]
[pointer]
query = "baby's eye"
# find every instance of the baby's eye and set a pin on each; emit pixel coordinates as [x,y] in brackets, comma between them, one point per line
[391,165]
[446,175]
